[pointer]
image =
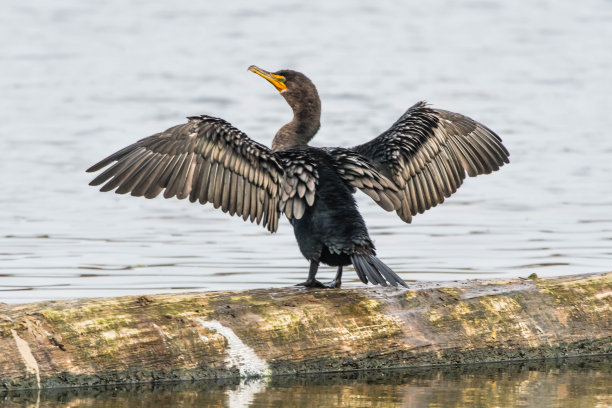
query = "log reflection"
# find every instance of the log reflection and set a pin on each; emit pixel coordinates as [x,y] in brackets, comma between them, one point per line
[567,383]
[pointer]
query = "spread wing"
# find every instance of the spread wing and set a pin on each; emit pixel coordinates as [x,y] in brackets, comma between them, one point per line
[427,152]
[207,160]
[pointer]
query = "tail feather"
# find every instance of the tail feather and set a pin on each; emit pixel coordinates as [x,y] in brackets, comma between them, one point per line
[369,268]
[376,263]
[388,273]
[360,272]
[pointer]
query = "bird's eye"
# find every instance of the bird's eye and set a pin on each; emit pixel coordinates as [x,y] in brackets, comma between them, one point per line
[282,79]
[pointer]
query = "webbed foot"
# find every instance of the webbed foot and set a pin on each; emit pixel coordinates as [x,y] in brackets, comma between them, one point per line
[335,284]
[312,284]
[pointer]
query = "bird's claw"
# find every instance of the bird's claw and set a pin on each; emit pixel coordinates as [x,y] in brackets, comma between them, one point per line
[335,284]
[312,284]
[317,284]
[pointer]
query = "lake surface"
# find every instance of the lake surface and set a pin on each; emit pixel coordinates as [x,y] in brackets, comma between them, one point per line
[561,384]
[79,80]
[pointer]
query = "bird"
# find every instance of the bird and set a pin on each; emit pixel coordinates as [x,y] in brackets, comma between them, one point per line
[409,168]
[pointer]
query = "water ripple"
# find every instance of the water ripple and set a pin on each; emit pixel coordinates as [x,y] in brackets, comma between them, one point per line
[78,85]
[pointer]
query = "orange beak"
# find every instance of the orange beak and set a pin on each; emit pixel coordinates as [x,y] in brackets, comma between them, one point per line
[277,80]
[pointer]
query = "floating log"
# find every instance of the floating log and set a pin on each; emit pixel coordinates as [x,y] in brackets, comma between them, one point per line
[191,336]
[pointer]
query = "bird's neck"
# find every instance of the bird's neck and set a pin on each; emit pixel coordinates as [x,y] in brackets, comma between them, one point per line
[303,127]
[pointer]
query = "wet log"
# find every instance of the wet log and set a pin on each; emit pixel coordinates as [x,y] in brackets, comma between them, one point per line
[192,336]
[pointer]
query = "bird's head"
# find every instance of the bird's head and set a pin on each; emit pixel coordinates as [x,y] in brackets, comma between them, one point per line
[301,94]
[295,87]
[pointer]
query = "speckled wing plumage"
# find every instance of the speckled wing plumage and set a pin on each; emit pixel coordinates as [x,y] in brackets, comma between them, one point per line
[357,171]
[300,181]
[207,160]
[427,152]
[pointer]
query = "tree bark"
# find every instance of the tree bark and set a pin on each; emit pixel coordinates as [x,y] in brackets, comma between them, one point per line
[295,330]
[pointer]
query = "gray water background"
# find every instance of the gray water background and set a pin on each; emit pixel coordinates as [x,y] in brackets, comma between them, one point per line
[79,80]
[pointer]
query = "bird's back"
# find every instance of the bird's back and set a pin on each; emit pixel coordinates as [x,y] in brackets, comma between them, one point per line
[333,225]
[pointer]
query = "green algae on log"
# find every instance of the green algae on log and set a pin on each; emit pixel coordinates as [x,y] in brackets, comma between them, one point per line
[295,330]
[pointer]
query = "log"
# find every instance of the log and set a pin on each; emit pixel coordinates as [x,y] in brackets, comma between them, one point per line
[192,336]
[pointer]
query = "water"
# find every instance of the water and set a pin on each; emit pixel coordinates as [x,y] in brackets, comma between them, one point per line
[80,80]
[571,384]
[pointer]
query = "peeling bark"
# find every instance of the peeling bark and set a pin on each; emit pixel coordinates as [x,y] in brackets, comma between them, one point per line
[294,330]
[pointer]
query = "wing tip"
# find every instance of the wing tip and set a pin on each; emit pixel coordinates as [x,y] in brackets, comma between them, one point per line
[97,166]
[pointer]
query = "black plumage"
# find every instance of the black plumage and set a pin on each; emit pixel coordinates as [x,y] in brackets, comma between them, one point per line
[414,165]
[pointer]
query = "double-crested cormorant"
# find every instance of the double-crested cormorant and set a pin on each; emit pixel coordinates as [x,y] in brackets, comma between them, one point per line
[421,159]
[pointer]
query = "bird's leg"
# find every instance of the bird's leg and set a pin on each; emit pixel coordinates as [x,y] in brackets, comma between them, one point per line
[311,282]
[335,284]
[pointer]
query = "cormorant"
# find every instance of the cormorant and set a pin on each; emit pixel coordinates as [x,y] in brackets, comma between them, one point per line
[421,159]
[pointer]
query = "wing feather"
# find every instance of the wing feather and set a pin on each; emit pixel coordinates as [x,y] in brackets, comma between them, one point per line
[240,196]
[157,165]
[427,153]
[227,187]
[205,159]
[132,179]
[359,172]
[246,210]
[300,180]
[253,212]
[122,174]
[195,180]
[115,169]
[233,193]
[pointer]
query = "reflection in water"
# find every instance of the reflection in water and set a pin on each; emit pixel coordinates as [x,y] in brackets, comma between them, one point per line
[568,383]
